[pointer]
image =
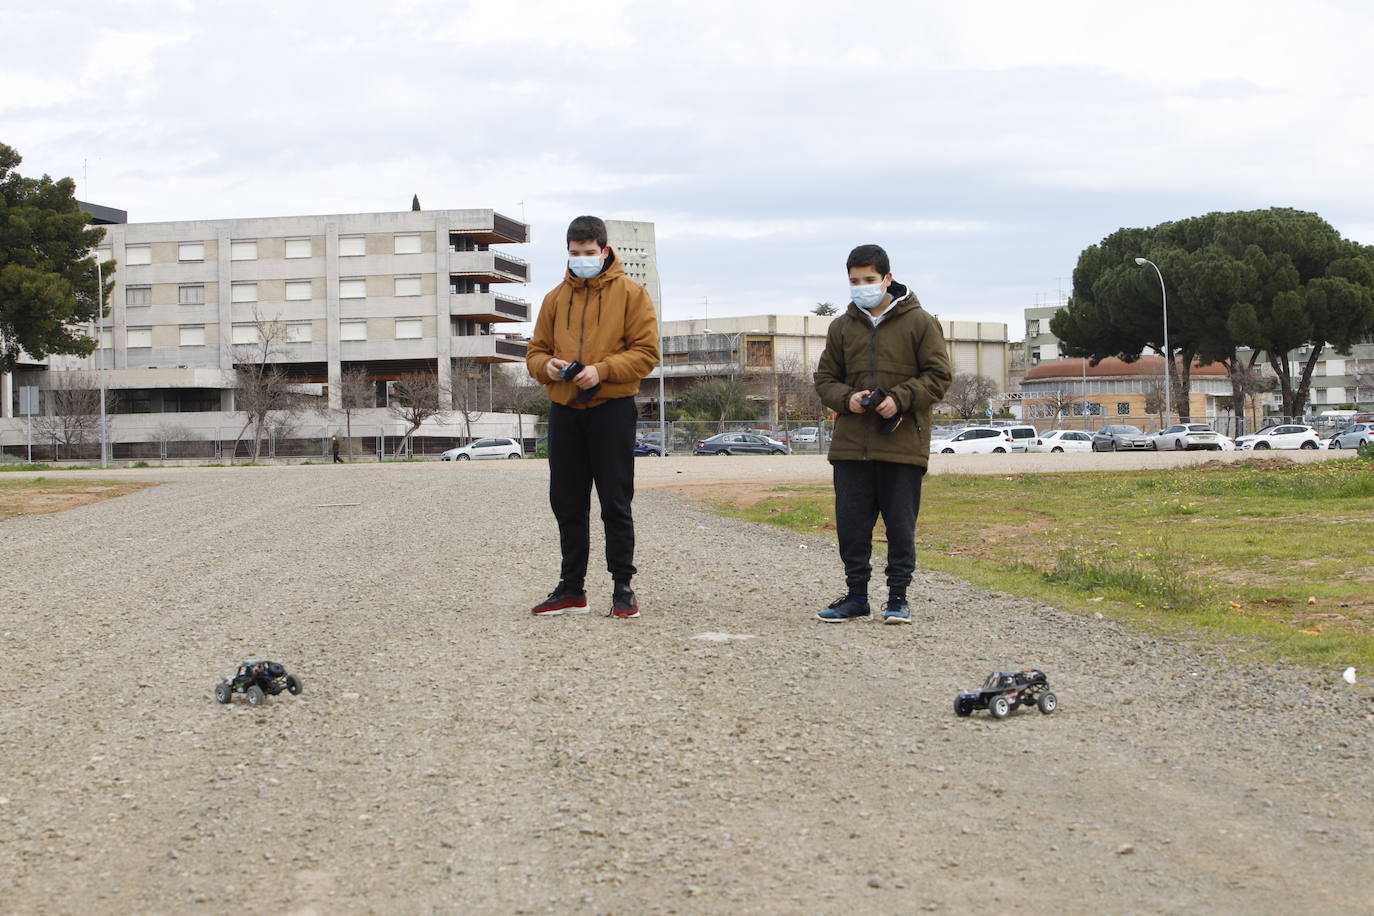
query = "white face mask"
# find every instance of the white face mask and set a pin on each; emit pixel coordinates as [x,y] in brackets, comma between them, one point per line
[585,267]
[867,297]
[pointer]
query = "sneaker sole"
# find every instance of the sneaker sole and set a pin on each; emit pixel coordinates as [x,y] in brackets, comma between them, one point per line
[559,612]
[624,616]
[896,620]
[842,619]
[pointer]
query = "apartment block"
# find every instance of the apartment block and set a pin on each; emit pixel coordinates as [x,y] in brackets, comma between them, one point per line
[387,293]
[638,252]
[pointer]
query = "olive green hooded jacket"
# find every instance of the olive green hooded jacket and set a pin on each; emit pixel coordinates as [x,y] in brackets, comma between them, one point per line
[904,354]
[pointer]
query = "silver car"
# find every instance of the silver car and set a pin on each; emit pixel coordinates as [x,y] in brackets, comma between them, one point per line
[1184,436]
[1353,436]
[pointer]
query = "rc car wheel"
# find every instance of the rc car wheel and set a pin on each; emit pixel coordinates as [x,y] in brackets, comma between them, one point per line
[223,692]
[962,706]
[999,707]
[1047,702]
[255,695]
[293,684]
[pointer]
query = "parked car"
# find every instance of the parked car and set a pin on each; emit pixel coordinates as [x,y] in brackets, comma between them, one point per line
[1353,436]
[1282,436]
[1185,436]
[1365,417]
[644,447]
[1121,438]
[809,435]
[740,444]
[973,440]
[485,448]
[1021,437]
[1061,440]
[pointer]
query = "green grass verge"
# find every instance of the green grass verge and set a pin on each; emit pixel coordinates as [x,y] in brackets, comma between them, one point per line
[1233,552]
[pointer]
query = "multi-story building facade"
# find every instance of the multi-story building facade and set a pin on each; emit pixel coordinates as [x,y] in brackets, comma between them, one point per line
[771,350]
[635,246]
[1041,345]
[388,293]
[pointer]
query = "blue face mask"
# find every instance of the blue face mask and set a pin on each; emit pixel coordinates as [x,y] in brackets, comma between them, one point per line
[867,297]
[585,267]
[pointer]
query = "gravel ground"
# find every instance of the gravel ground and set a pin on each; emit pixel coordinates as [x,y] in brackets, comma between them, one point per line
[452,754]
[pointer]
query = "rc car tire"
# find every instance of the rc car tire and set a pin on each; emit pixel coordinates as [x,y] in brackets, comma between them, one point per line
[1000,707]
[223,692]
[962,707]
[255,695]
[293,684]
[1047,702]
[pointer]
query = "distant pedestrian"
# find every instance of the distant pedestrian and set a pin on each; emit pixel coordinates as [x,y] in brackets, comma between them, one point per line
[602,320]
[337,459]
[884,343]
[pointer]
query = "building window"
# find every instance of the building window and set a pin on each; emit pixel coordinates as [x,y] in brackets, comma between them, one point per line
[246,334]
[191,251]
[352,330]
[298,248]
[139,337]
[106,338]
[407,244]
[352,246]
[245,292]
[1123,408]
[1033,327]
[138,295]
[299,289]
[193,335]
[300,332]
[353,289]
[138,254]
[191,295]
[407,286]
[408,329]
[242,251]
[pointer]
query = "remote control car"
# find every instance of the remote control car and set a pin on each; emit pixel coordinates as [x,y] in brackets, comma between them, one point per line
[257,678]
[1004,691]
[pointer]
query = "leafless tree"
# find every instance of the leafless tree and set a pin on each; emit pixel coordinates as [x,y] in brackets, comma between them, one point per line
[71,419]
[261,385]
[415,399]
[1058,402]
[470,391]
[356,392]
[167,435]
[797,397]
[968,393]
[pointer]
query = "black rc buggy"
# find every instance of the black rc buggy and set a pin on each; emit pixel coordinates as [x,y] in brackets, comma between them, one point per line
[257,678]
[1004,691]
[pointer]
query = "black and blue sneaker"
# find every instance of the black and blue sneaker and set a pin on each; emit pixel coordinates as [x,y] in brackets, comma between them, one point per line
[898,611]
[850,607]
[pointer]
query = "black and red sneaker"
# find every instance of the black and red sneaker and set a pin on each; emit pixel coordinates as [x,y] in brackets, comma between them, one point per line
[565,599]
[623,603]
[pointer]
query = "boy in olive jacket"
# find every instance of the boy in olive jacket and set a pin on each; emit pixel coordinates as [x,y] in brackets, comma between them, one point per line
[884,343]
[602,319]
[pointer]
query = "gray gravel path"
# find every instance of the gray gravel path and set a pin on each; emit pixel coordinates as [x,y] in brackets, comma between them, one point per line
[450,753]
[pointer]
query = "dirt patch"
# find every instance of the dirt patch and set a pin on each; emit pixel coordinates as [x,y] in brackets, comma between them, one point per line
[741,495]
[41,498]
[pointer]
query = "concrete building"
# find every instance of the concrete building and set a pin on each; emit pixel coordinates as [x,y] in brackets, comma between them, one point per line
[1070,393]
[635,246]
[1041,345]
[770,349]
[388,293]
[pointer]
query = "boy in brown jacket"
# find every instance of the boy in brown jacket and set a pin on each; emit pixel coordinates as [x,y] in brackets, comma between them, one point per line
[884,367]
[604,321]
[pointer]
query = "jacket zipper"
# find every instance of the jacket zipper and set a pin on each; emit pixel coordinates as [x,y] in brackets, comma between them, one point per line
[873,375]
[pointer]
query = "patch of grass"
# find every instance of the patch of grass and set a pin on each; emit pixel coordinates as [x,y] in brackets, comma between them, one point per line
[1235,551]
[38,466]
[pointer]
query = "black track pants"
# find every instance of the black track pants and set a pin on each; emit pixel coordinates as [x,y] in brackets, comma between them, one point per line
[863,491]
[593,446]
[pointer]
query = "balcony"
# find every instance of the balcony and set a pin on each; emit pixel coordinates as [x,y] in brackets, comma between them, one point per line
[488,307]
[488,267]
[488,348]
[503,230]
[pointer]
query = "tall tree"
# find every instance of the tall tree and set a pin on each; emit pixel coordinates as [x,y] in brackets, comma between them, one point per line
[470,391]
[47,273]
[71,420]
[263,392]
[415,202]
[969,394]
[717,400]
[824,308]
[356,392]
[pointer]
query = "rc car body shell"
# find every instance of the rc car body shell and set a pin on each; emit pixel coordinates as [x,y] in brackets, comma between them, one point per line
[1005,691]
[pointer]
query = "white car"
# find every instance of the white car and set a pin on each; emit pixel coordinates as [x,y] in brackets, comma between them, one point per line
[807,435]
[973,440]
[1021,437]
[1184,436]
[1284,436]
[485,448]
[1061,440]
[1353,436]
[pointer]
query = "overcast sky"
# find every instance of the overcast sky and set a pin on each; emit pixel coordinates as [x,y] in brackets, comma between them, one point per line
[983,144]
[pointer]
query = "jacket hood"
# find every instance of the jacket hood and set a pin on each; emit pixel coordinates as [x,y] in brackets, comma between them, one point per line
[611,270]
[903,299]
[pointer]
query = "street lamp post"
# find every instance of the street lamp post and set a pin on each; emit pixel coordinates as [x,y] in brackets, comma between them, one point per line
[1168,354]
[100,349]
